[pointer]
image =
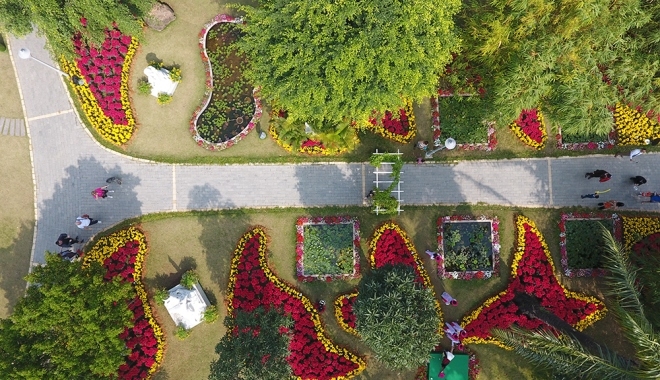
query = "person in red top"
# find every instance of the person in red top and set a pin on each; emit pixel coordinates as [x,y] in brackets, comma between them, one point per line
[610,205]
[602,174]
[102,192]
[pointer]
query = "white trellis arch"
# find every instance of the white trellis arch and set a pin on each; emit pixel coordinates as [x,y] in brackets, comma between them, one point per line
[383,174]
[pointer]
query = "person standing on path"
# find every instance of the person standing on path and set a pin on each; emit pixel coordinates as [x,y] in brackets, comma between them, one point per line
[602,174]
[596,194]
[102,192]
[66,241]
[638,181]
[633,153]
[610,205]
[653,197]
[83,222]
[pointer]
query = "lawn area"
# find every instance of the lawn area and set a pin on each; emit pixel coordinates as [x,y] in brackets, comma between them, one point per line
[205,241]
[17,211]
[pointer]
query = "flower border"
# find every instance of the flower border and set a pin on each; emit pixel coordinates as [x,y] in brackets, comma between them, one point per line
[106,247]
[631,226]
[488,146]
[209,92]
[300,243]
[290,291]
[520,251]
[339,315]
[633,126]
[590,145]
[318,150]
[495,242]
[587,272]
[380,130]
[524,137]
[117,134]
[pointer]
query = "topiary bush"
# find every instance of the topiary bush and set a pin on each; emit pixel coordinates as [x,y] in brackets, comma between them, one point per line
[164,98]
[210,314]
[160,296]
[181,332]
[144,87]
[189,279]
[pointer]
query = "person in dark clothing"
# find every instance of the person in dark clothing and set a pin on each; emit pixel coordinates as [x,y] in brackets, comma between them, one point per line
[610,205]
[68,255]
[638,180]
[602,174]
[66,241]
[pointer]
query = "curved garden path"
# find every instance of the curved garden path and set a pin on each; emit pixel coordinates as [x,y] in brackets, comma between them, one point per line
[68,163]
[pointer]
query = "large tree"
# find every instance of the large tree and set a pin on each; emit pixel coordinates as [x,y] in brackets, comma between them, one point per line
[572,58]
[67,326]
[396,317]
[330,60]
[569,352]
[59,20]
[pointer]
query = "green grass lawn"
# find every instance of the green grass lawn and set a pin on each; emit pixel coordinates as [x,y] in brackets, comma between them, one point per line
[205,241]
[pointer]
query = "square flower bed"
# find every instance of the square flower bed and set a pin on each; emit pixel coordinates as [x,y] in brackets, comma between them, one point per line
[468,247]
[463,121]
[581,242]
[327,248]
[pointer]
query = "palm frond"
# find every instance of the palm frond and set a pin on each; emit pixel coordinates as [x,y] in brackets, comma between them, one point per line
[622,281]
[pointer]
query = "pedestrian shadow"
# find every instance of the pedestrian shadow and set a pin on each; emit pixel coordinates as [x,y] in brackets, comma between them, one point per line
[71,198]
[15,264]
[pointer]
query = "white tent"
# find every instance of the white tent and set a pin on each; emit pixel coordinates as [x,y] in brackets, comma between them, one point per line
[186,307]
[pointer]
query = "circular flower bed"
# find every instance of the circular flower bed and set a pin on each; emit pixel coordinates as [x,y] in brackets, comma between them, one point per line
[231,108]
[533,273]
[530,129]
[122,254]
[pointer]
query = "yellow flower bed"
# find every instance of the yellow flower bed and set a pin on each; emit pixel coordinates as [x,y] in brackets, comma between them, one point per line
[117,134]
[633,127]
[636,229]
[106,247]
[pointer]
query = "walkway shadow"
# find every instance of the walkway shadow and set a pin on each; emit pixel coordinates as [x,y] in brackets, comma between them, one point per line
[71,198]
[15,264]
[329,184]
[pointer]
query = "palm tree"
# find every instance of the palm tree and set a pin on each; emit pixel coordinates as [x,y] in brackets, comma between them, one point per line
[568,353]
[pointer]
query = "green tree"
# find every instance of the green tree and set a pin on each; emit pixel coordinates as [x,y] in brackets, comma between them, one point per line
[570,352]
[67,326]
[59,20]
[396,317]
[254,347]
[573,59]
[324,61]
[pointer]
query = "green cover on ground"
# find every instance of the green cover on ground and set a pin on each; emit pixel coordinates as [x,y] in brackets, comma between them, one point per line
[457,369]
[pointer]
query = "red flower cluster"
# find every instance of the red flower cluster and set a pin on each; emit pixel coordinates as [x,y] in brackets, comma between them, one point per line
[347,311]
[530,124]
[398,126]
[311,354]
[533,274]
[140,338]
[311,144]
[648,246]
[391,249]
[102,69]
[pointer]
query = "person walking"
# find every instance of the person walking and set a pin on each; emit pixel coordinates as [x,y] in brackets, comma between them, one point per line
[610,205]
[83,222]
[595,194]
[602,174]
[66,241]
[102,192]
[633,153]
[653,197]
[638,181]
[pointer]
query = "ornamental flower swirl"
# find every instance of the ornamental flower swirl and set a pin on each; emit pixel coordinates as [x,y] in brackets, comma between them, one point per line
[530,128]
[399,126]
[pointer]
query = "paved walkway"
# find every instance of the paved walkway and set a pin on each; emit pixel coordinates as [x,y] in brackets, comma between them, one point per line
[69,163]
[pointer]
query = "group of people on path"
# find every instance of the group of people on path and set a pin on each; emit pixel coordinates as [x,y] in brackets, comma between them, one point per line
[66,242]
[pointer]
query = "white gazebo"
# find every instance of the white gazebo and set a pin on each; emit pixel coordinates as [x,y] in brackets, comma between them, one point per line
[187,306]
[160,81]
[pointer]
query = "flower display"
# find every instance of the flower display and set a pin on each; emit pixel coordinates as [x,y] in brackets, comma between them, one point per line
[530,129]
[399,126]
[468,274]
[437,131]
[584,272]
[122,254]
[104,95]
[638,228]
[300,247]
[252,284]
[311,146]
[533,273]
[208,94]
[344,312]
[633,126]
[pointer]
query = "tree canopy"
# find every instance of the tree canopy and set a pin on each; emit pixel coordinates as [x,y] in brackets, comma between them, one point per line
[330,60]
[59,20]
[396,317]
[67,326]
[572,59]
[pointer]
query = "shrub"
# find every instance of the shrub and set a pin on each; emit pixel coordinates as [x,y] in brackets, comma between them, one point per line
[144,87]
[463,118]
[584,245]
[211,314]
[157,65]
[189,279]
[161,295]
[396,317]
[3,47]
[164,98]
[182,332]
[175,74]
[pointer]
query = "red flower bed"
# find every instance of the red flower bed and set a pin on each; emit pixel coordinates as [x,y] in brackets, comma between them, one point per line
[102,70]
[344,312]
[252,284]
[532,273]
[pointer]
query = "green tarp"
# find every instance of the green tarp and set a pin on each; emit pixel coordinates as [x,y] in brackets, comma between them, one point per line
[457,369]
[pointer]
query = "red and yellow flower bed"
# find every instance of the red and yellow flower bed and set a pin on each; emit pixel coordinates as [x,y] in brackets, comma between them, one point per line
[344,312]
[122,254]
[309,146]
[636,229]
[399,126]
[104,96]
[530,129]
[252,284]
[532,272]
[633,126]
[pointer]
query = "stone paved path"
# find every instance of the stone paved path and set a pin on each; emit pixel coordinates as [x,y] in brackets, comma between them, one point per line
[69,163]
